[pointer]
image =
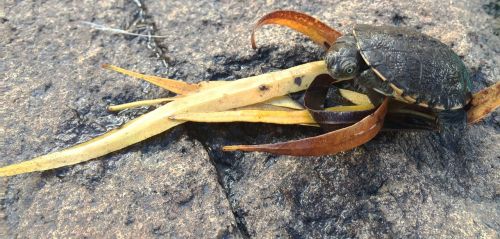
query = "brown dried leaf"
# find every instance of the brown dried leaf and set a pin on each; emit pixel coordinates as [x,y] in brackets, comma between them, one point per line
[483,103]
[319,32]
[329,143]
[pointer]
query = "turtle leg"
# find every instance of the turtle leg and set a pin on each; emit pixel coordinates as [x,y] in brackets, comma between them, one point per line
[448,119]
[372,86]
[400,116]
[452,123]
[403,116]
[370,80]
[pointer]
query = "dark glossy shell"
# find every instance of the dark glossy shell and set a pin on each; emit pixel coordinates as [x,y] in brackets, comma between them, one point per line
[418,67]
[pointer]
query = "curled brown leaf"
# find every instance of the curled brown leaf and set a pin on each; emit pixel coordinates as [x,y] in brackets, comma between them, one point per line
[319,32]
[483,103]
[329,143]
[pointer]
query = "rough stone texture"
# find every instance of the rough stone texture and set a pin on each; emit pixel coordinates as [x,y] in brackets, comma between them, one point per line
[54,95]
[179,184]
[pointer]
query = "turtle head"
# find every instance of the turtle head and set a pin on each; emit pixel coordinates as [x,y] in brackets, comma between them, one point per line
[343,61]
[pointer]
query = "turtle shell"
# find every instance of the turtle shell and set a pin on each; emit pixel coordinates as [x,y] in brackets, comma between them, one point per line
[419,68]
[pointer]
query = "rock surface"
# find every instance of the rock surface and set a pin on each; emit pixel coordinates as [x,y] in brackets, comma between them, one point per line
[179,184]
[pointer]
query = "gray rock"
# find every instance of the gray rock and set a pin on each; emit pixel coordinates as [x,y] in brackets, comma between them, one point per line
[179,184]
[54,95]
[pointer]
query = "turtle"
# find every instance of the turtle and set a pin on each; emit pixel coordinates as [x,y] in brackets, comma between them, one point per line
[406,65]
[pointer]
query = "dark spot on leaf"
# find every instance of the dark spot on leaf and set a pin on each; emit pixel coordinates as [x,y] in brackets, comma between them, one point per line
[298,81]
[263,87]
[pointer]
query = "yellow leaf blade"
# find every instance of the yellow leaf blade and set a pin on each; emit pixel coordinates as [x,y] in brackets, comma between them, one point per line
[183,88]
[114,108]
[235,94]
[355,97]
[175,86]
[262,115]
[284,101]
[348,108]
[253,116]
